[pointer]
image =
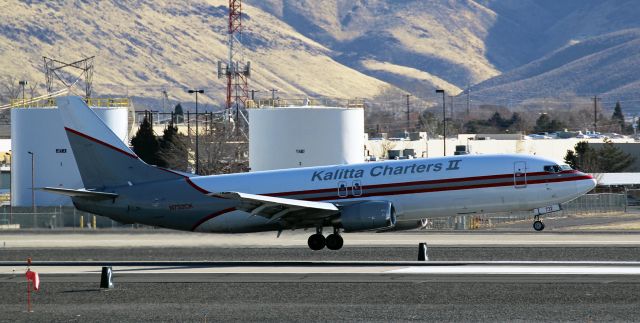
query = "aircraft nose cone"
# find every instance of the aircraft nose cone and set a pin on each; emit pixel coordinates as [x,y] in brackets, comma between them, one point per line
[587,184]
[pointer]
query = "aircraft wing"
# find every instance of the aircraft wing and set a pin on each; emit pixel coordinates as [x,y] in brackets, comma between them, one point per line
[276,208]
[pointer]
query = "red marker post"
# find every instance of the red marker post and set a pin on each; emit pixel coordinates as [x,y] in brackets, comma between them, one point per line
[32,278]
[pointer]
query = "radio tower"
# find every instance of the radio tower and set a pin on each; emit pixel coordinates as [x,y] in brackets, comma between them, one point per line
[236,72]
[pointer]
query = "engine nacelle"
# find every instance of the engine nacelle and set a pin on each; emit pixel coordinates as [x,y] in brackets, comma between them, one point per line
[370,215]
[407,225]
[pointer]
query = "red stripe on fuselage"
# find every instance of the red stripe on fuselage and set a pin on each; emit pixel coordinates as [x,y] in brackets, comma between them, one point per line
[437,181]
[100,142]
[442,189]
[200,189]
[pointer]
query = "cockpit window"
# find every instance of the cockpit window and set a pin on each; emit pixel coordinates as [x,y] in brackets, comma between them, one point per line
[565,167]
[552,168]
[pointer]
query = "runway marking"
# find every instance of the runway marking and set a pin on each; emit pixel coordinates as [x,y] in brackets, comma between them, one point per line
[426,268]
[520,270]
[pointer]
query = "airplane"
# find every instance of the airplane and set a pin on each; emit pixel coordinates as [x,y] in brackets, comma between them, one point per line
[373,196]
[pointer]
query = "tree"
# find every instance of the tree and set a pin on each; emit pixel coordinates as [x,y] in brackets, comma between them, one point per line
[618,117]
[428,122]
[608,159]
[174,149]
[546,124]
[222,151]
[584,158]
[179,113]
[145,144]
[612,159]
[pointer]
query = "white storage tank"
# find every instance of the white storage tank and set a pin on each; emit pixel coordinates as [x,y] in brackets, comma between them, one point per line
[40,131]
[290,137]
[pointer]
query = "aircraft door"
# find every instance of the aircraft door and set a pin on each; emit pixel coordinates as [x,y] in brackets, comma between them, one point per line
[356,188]
[520,174]
[342,189]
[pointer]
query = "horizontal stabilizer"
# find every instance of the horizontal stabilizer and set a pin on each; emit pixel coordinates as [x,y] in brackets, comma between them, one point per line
[80,193]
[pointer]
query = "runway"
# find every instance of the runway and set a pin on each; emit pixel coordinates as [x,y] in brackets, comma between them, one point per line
[470,277]
[185,268]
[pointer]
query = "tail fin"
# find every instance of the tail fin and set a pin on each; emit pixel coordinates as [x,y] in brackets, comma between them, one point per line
[103,159]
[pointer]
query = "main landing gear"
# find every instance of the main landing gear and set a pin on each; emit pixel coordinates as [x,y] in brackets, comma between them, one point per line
[333,241]
[537,224]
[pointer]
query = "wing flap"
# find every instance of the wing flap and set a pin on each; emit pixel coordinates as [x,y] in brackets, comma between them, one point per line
[264,199]
[80,193]
[278,208]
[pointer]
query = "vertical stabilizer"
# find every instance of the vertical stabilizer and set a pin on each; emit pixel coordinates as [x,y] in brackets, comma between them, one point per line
[103,159]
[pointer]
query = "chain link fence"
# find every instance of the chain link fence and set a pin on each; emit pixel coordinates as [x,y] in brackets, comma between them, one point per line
[586,205]
[69,217]
[51,218]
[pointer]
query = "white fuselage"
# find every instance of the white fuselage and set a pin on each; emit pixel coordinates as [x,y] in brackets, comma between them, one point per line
[418,188]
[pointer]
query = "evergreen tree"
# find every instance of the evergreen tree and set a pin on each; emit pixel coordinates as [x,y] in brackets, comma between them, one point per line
[174,151]
[618,117]
[583,158]
[608,159]
[546,124]
[179,113]
[571,159]
[145,144]
[612,159]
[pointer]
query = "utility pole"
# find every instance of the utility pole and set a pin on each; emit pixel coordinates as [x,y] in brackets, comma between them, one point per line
[444,123]
[595,113]
[451,110]
[468,99]
[196,91]
[408,111]
[273,97]
[253,95]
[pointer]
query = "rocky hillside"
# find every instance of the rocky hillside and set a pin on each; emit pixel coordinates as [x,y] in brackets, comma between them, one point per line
[507,50]
[144,46]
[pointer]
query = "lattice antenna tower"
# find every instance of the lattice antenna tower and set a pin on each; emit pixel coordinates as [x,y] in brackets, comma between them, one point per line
[236,72]
[54,68]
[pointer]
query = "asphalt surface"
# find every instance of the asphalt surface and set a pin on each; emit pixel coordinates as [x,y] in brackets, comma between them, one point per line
[336,296]
[508,300]
[325,297]
[396,253]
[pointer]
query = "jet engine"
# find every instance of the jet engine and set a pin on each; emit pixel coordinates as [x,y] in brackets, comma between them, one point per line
[407,225]
[369,215]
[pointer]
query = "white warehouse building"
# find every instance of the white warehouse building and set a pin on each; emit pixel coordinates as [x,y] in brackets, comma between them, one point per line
[304,136]
[38,133]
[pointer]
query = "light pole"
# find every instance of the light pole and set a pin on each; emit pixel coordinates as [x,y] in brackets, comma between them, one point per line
[197,155]
[23,83]
[444,124]
[33,192]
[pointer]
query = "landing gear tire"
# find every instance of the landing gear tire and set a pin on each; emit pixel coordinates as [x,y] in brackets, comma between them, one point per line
[538,225]
[317,241]
[334,241]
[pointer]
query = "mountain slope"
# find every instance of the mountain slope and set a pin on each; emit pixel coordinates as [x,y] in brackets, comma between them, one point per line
[606,65]
[338,48]
[143,46]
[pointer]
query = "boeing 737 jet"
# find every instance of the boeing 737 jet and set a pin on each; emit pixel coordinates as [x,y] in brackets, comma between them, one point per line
[380,196]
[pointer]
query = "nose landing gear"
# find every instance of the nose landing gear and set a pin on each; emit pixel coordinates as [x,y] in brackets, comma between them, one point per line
[333,241]
[537,224]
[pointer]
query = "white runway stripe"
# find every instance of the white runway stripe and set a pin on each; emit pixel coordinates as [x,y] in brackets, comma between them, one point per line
[520,270]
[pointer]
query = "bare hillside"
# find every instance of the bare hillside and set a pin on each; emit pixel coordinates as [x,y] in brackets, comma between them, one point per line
[143,46]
